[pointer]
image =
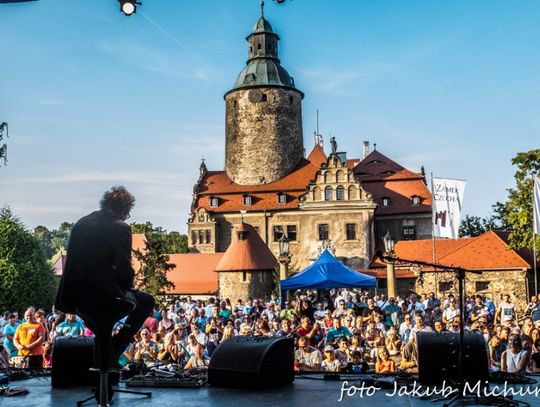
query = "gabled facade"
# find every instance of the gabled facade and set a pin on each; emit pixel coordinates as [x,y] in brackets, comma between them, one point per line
[402,197]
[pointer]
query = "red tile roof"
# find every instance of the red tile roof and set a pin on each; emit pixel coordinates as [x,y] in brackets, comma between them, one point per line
[194,273]
[485,252]
[248,254]
[264,197]
[317,156]
[384,178]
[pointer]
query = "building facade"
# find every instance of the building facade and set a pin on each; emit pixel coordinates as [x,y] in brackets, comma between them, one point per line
[315,201]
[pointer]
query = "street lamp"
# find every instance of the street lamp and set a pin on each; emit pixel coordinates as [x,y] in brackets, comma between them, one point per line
[390,265]
[129,7]
[284,257]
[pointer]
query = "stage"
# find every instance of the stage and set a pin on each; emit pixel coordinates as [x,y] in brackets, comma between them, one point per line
[305,391]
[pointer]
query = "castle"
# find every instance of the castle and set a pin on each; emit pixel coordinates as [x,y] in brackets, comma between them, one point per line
[318,200]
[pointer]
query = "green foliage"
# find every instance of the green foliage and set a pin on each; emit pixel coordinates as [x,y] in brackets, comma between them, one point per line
[25,276]
[152,276]
[473,226]
[518,209]
[172,242]
[53,241]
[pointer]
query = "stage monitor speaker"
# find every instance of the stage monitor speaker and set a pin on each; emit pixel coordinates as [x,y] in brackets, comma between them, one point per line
[252,362]
[72,359]
[438,357]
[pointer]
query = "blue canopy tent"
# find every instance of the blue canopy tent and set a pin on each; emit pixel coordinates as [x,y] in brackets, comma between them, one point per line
[326,272]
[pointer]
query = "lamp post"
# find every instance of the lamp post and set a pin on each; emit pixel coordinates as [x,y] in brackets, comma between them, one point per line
[390,265]
[284,257]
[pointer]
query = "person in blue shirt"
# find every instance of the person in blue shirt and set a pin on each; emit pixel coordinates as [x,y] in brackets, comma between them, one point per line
[9,331]
[337,331]
[70,327]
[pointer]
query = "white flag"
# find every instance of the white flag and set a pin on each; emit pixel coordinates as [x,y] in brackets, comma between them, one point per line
[447,199]
[536,206]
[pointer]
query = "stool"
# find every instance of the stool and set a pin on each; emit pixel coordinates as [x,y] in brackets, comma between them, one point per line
[101,317]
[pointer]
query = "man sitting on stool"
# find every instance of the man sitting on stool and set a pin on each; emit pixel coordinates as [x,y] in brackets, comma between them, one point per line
[98,265]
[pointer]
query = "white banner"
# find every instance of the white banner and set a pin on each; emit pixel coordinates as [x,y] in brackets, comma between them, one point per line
[536,206]
[447,199]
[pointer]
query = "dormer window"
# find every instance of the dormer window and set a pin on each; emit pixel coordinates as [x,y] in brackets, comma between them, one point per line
[375,162]
[386,202]
[214,202]
[247,200]
[282,198]
[416,200]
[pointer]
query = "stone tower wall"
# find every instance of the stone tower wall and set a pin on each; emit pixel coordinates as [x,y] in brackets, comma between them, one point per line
[263,134]
[245,284]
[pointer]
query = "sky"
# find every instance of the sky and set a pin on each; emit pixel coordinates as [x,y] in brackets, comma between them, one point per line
[94,98]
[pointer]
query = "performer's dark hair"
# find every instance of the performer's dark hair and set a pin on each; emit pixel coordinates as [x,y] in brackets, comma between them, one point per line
[118,201]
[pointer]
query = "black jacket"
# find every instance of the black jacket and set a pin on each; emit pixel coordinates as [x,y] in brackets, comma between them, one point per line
[98,261]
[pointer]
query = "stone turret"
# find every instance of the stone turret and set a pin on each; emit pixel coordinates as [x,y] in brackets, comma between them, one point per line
[263,115]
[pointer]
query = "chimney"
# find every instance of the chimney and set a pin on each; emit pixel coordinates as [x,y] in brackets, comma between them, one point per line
[366,149]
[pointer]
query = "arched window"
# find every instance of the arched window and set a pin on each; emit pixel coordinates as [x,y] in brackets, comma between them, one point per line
[328,194]
[317,196]
[340,193]
[340,176]
[327,177]
[352,192]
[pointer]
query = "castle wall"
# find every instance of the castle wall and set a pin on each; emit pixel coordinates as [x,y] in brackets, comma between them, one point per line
[263,134]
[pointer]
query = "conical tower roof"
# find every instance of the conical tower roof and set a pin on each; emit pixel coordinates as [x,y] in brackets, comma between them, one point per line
[247,252]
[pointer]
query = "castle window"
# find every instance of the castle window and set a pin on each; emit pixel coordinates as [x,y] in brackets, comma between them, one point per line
[281,198]
[445,286]
[481,285]
[409,232]
[264,98]
[214,202]
[247,200]
[351,231]
[251,49]
[291,99]
[258,46]
[278,232]
[328,194]
[385,202]
[244,276]
[415,200]
[352,192]
[291,232]
[194,237]
[317,194]
[340,193]
[323,231]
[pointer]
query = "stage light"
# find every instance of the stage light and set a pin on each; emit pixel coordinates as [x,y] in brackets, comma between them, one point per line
[129,7]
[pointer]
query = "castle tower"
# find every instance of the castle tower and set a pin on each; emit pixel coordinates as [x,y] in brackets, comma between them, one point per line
[247,267]
[263,115]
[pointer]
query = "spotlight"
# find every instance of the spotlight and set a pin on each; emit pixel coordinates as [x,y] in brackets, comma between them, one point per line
[129,7]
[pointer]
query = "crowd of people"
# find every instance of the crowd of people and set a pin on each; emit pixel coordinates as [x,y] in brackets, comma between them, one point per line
[333,331]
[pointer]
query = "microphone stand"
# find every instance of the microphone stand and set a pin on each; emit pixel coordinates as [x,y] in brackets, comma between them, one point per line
[460,275]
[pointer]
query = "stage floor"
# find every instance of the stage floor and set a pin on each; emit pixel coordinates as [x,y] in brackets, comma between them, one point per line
[312,391]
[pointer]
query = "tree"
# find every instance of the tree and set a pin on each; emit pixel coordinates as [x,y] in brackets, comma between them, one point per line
[25,276]
[54,241]
[517,211]
[173,242]
[473,226]
[154,266]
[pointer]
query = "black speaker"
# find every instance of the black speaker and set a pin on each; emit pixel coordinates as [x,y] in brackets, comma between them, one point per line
[252,362]
[438,357]
[72,359]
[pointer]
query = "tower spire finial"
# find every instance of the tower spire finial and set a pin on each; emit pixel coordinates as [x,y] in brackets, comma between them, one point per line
[262,8]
